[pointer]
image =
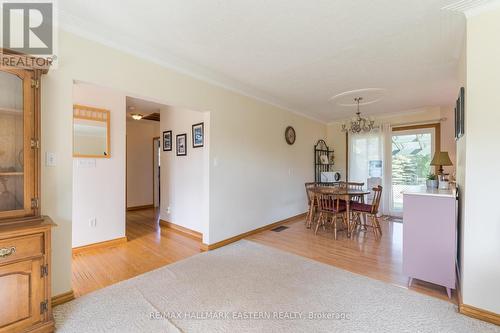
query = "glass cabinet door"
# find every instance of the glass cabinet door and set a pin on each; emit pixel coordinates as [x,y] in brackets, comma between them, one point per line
[16,162]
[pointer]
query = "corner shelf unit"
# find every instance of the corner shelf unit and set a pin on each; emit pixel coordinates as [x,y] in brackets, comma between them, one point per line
[321,149]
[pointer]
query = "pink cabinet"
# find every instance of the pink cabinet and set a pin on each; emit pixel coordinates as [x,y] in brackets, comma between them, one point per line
[429,237]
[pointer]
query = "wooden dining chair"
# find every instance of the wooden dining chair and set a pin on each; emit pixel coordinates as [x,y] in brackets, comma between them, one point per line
[369,211]
[311,202]
[326,184]
[353,186]
[358,187]
[330,208]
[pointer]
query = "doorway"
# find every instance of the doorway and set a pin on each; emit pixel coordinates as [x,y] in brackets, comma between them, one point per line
[142,138]
[411,153]
[156,172]
[397,158]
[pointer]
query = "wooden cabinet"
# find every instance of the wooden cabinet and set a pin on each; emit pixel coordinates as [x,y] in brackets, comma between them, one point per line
[24,234]
[25,276]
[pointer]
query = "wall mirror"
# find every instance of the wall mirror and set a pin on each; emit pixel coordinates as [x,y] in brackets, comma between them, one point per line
[91,132]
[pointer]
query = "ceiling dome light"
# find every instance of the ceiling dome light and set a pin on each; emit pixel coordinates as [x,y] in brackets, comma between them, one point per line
[136,116]
[370,96]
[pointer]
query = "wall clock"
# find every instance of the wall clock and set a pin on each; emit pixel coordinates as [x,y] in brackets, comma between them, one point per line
[290,135]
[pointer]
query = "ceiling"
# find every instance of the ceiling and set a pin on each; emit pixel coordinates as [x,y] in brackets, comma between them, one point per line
[296,54]
[143,107]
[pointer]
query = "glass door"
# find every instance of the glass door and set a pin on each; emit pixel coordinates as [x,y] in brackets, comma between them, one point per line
[16,153]
[412,152]
[365,159]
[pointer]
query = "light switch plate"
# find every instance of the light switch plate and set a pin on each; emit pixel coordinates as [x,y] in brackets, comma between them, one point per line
[50,159]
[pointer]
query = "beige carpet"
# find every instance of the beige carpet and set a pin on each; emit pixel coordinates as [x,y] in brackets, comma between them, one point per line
[248,287]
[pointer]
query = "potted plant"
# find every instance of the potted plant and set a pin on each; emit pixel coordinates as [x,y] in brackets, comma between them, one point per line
[432,181]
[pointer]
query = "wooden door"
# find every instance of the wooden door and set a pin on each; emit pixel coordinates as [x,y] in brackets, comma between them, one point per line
[23,292]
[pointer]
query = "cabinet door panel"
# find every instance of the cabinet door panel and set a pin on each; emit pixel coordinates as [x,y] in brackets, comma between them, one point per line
[22,292]
[16,305]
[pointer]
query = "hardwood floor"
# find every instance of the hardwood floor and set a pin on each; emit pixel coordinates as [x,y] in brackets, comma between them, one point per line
[363,254]
[148,247]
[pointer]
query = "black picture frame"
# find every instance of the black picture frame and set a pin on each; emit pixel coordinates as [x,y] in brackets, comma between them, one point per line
[460,114]
[181,144]
[167,140]
[198,135]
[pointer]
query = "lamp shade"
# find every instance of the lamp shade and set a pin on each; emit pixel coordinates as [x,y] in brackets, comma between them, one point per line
[441,158]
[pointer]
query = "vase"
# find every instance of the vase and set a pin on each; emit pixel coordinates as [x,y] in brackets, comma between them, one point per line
[432,183]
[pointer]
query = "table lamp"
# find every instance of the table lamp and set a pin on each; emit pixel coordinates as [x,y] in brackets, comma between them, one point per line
[441,158]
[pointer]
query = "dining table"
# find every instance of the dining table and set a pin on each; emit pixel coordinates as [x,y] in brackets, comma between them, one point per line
[345,193]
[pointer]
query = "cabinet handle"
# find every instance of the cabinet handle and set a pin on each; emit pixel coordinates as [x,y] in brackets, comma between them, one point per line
[7,251]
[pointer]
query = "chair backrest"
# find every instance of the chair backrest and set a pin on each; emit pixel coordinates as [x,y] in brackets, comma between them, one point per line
[355,186]
[351,185]
[309,186]
[328,202]
[377,195]
[330,184]
[342,184]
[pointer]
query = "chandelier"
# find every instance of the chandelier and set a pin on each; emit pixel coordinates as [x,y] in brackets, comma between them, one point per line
[358,123]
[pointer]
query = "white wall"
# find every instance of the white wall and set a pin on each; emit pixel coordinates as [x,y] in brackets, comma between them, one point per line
[99,191]
[481,223]
[255,177]
[184,190]
[461,157]
[140,134]
[336,139]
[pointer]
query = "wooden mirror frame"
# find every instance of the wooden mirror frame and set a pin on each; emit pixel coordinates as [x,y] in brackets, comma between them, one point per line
[91,113]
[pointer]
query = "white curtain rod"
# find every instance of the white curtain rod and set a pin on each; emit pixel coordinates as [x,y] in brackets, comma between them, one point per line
[426,122]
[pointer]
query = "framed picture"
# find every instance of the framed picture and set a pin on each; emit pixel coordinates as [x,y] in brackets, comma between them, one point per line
[198,135]
[167,141]
[460,115]
[180,146]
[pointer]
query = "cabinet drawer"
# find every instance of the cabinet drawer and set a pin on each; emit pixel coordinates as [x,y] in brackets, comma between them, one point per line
[21,247]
